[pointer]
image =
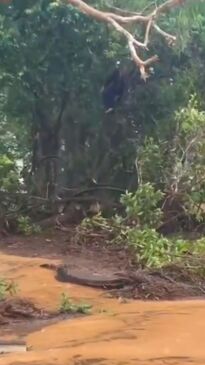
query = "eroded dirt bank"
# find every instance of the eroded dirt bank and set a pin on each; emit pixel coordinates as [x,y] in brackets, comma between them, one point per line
[134,332]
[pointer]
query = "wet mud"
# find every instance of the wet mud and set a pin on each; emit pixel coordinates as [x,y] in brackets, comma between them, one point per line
[117,333]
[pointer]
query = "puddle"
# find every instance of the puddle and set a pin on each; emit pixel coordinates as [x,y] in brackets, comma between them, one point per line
[12,347]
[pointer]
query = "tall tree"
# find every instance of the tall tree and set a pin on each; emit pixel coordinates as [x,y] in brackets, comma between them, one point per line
[52,60]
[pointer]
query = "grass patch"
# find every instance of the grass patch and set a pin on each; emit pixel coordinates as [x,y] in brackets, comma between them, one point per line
[7,288]
[68,306]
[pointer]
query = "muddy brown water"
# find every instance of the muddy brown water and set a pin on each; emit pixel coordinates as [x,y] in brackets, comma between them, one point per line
[117,333]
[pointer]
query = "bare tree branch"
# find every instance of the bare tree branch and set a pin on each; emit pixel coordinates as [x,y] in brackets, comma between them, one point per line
[118,21]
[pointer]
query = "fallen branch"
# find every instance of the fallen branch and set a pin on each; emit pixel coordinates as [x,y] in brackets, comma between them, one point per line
[119,20]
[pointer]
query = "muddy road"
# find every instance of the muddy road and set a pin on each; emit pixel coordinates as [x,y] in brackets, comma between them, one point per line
[116,333]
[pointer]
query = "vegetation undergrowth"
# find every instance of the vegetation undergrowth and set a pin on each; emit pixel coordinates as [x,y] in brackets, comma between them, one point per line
[7,288]
[181,172]
[67,306]
[26,227]
[138,230]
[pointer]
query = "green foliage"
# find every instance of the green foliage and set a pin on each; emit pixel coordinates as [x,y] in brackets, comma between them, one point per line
[67,306]
[151,249]
[150,161]
[26,227]
[191,121]
[188,164]
[198,247]
[5,165]
[96,222]
[53,57]
[7,288]
[9,185]
[142,206]
[154,250]
[148,247]
[9,177]
[51,52]
[177,165]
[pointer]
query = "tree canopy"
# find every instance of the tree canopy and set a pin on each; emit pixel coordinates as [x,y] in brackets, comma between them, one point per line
[55,57]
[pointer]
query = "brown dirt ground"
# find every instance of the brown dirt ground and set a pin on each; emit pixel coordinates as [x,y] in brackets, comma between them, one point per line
[15,309]
[22,314]
[172,283]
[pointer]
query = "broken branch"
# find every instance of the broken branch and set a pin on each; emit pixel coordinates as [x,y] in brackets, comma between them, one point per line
[118,22]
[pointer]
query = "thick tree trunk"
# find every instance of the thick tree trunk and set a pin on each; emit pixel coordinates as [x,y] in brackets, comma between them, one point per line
[45,162]
[46,149]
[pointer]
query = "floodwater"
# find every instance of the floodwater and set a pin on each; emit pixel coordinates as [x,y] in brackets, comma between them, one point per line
[117,333]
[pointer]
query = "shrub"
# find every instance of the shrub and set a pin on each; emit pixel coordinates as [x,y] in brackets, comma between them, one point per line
[142,206]
[67,306]
[25,226]
[7,288]
[154,250]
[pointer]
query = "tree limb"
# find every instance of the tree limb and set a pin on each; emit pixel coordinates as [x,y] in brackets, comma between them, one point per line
[118,21]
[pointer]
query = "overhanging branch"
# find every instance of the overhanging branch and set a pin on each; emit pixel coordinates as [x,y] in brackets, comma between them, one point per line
[118,21]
